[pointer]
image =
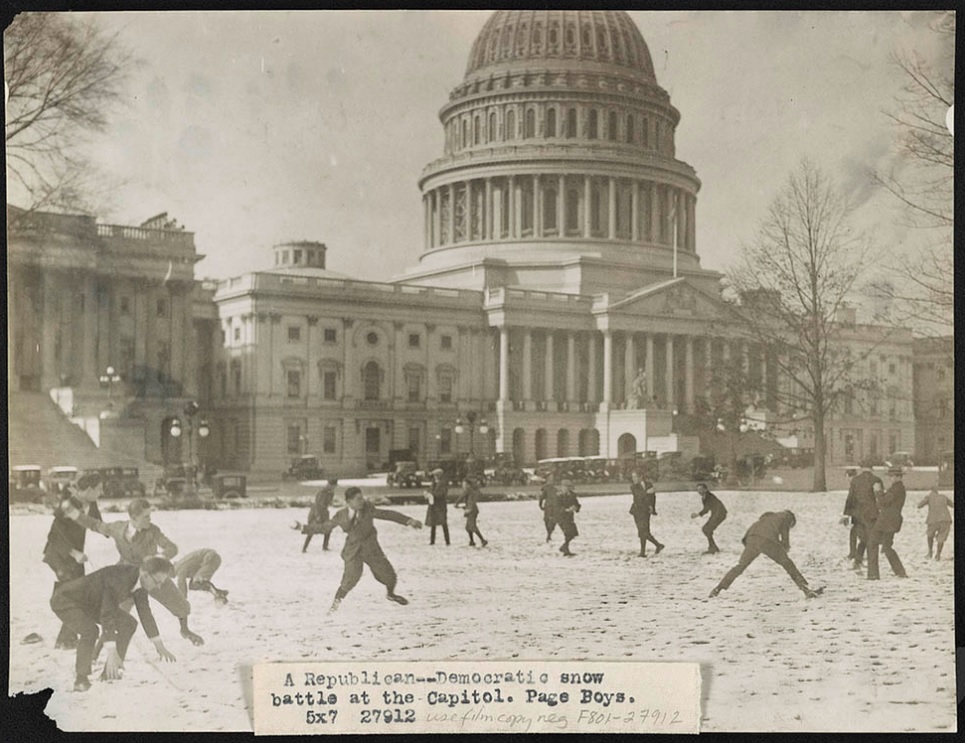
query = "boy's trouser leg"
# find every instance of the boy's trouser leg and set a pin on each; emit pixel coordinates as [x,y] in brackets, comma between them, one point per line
[779,555]
[894,561]
[432,534]
[751,550]
[863,537]
[380,566]
[210,562]
[351,574]
[328,536]
[84,625]
[126,627]
[873,547]
[308,539]
[853,542]
[445,531]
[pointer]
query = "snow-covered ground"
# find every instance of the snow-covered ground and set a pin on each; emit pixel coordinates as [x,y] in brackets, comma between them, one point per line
[866,656]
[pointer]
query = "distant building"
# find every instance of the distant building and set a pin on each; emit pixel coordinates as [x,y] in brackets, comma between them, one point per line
[934,398]
[559,295]
[83,297]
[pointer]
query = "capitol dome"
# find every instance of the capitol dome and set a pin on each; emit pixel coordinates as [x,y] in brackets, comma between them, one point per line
[559,168]
[559,38]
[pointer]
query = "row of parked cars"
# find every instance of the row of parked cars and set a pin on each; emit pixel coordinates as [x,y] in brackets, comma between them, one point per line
[29,483]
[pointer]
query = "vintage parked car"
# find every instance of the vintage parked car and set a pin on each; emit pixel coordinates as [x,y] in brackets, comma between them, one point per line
[122,482]
[61,477]
[26,484]
[305,467]
[406,475]
[229,485]
[900,459]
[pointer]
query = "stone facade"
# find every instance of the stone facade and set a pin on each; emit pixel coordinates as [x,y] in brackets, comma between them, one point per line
[934,398]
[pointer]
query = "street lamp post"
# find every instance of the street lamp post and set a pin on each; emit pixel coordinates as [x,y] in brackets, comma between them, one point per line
[471,419]
[191,411]
[108,379]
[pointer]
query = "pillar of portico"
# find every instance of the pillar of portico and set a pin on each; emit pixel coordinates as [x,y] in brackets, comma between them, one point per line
[629,364]
[488,211]
[654,224]
[649,368]
[548,367]
[504,363]
[591,367]
[607,367]
[537,206]
[527,364]
[689,373]
[671,395]
[570,366]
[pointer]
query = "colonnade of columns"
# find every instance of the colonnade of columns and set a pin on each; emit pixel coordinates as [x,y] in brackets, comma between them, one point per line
[556,205]
[550,369]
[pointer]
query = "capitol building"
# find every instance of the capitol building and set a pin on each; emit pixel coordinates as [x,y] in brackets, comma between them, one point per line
[559,293]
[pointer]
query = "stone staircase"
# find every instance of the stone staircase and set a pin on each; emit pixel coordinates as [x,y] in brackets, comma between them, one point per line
[39,433]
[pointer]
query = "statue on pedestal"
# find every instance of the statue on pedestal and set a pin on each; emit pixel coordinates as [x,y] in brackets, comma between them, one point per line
[637,392]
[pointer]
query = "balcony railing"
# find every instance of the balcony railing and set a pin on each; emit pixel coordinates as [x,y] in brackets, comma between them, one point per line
[128,232]
[372,404]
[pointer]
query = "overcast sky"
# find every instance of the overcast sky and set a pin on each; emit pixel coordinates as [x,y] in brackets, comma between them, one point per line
[257,128]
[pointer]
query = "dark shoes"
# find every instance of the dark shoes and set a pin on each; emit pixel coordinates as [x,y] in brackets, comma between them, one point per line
[658,550]
[397,599]
[334,607]
[642,554]
[195,638]
[485,542]
[715,592]
[66,644]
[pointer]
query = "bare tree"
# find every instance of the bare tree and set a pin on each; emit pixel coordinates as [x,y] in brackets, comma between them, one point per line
[794,282]
[922,179]
[63,76]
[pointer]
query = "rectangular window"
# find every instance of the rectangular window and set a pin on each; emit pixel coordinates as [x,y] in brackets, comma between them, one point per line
[294,383]
[125,305]
[445,342]
[414,441]
[294,333]
[224,337]
[414,340]
[445,441]
[126,356]
[330,335]
[164,360]
[328,385]
[445,389]
[162,307]
[414,384]
[296,257]
[328,440]
[237,334]
[294,438]
[891,368]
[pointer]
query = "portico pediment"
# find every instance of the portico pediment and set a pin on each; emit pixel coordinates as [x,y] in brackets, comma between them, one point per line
[672,298]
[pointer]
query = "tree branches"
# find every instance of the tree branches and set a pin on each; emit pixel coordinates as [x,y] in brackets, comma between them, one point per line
[63,77]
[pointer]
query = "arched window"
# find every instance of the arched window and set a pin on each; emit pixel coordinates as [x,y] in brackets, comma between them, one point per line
[510,125]
[551,122]
[630,132]
[492,126]
[549,208]
[572,212]
[571,123]
[645,132]
[519,445]
[612,126]
[540,443]
[476,133]
[596,210]
[657,134]
[371,380]
[529,129]
[465,133]
[593,124]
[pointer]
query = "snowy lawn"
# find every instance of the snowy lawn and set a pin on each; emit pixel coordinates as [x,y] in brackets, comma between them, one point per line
[865,656]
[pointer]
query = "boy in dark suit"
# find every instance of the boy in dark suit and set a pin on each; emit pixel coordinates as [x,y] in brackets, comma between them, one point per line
[469,500]
[644,506]
[884,528]
[84,603]
[769,535]
[361,544]
[64,551]
[713,506]
[549,498]
[863,491]
[437,513]
[569,506]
